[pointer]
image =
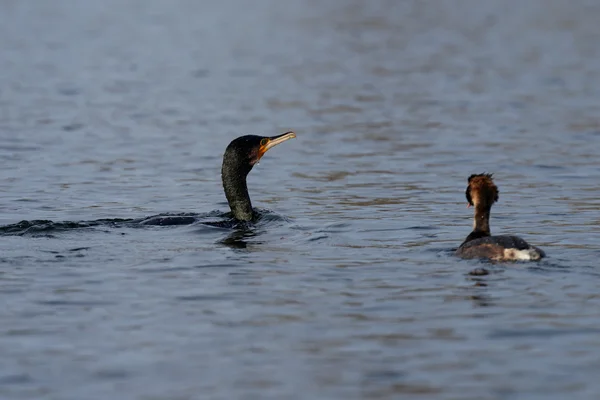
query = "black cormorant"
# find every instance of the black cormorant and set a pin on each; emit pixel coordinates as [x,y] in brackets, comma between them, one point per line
[238,160]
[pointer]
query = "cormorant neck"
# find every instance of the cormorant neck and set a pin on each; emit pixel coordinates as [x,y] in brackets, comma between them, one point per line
[236,191]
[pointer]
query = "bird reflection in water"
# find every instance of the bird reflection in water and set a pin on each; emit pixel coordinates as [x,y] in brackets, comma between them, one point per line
[239,238]
[481,297]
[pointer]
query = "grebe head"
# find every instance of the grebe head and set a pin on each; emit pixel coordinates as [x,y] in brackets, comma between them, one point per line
[481,190]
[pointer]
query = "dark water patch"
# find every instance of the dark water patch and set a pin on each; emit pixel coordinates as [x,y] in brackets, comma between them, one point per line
[16,148]
[76,303]
[548,166]
[20,259]
[204,297]
[337,227]
[183,269]
[164,269]
[25,332]
[216,265]
[73,127]
[50,251]
[540,333]
[79,249]
[549,266]
[422,228]
[13,290]
[112,374]
[200,73]
[15,379]
[317,238]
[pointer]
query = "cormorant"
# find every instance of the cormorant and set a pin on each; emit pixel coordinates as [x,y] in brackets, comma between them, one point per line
[239,158]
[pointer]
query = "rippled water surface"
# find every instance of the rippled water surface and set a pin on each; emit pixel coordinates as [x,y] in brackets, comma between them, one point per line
[347,287]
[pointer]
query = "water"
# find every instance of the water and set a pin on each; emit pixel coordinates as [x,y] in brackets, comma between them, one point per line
[348,287]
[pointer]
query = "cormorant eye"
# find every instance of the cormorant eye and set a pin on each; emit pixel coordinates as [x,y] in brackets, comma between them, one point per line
[263,142]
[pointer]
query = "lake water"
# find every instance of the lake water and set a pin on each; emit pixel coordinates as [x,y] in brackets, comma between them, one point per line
[348,287]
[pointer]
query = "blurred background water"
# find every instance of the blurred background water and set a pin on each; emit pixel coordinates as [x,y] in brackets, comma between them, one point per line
[122,109]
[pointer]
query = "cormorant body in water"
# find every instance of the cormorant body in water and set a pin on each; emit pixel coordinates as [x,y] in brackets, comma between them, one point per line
[239,158]
[482,193]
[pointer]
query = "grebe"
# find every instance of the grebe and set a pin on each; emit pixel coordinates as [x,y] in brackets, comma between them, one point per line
[482,193]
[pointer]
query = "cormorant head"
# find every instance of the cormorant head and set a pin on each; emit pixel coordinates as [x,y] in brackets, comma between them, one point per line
[238,160]
[245,151]
[481,190]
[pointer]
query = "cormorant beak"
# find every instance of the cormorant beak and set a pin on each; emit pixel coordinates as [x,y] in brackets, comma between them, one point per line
[274,141]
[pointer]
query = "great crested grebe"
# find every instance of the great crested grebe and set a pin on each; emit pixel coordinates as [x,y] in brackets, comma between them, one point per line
[482,193]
